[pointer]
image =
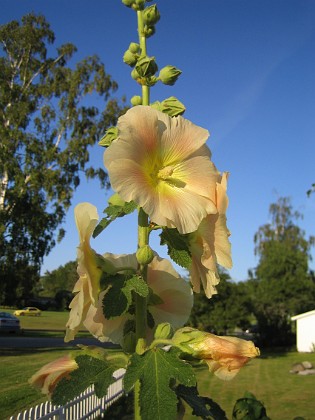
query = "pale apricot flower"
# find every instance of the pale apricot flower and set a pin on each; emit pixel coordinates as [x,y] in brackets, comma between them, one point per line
[87,287]
[225,356]
[165,282]
[49,375]
[163,165]
[209,244]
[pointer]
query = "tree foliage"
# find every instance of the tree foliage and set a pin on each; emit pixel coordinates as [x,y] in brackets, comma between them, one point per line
[47,127]
[229,309]
[283,286]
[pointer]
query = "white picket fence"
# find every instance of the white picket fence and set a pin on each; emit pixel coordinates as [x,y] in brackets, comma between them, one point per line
[84,406]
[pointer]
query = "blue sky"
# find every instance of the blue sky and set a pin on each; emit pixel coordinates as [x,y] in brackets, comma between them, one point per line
[248,77]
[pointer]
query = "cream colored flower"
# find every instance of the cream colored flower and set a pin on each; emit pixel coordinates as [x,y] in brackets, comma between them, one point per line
[225,356]
[210,245]
[165,282]
[163,165]
[87,287]
[49,375]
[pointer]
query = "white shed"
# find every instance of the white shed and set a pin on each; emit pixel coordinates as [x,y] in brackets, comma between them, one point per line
[305,331]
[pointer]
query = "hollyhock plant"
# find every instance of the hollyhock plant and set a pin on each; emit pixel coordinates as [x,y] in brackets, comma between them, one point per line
[49,375]
[225,356]
[163,165]
[174,292]
[209,244]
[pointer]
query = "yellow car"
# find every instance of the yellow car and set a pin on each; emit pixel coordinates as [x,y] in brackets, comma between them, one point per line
[28,311]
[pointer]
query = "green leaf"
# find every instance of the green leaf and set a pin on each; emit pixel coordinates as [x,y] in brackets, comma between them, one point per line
[177,245]
[113,212]
[115,302]
[249,408]
[90,371]
[119,297]
[156,369]
[203,407]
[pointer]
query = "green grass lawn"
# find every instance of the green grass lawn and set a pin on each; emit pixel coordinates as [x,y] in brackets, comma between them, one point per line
[48,320]
[285,395]
[16,367]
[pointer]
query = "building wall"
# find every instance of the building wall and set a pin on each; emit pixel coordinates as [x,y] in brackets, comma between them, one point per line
[305,333]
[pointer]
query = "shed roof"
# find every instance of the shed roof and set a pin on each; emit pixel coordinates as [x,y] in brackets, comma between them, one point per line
[305,314]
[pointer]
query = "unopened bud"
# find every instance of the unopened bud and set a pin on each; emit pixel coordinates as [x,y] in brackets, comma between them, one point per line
[148,30]
[144,255]
[134,48]
[169,74]
[151,15]
[130,58]
[163,331]
[136,100]
[128,3]
[135,75]
[138,4]
[172,107]
[146,66]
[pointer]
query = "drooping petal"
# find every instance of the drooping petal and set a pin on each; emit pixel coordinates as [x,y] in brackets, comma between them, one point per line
[87,287]
[49,375]
[173,290]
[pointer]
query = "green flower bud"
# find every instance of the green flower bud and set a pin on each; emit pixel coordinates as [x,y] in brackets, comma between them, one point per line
[148,30]
[116,200]
[138,4]
[146,66]
[156,105]
[134,48]
[144,255]
[135,75]
[128,3]
[136,100]
[110,135]
[169,74]
[163,331]
[130,58]
[151,15]
[172,107]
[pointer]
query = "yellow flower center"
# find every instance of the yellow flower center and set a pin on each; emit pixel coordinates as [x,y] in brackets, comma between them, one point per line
[165,173]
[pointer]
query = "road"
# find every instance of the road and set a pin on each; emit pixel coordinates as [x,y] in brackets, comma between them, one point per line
[12,341]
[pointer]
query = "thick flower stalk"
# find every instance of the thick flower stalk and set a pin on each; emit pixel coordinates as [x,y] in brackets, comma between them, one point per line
[163,165]
[49,375]
[209,244]
[225,356]
[174,305]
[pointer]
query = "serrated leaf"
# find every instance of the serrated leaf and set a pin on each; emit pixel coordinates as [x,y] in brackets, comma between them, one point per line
[203,407]
[177,245]
[156,369]
[90,371]
[119,297]
[113,212]
[115,302]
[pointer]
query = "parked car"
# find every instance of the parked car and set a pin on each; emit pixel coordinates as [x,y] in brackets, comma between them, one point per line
[9,322]
[29,310]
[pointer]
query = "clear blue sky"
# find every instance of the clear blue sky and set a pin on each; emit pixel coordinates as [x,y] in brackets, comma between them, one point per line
[248,77]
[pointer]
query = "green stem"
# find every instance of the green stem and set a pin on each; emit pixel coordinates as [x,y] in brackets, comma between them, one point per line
[143,47]
[143,239]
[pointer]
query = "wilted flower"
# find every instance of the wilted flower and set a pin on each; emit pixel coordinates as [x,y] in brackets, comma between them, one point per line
[164,166]
[87,288]
[49,375]
[174,292]
[210,245]
[224,355]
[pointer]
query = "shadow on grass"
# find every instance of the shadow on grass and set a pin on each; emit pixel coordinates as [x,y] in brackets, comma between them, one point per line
[32,350]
